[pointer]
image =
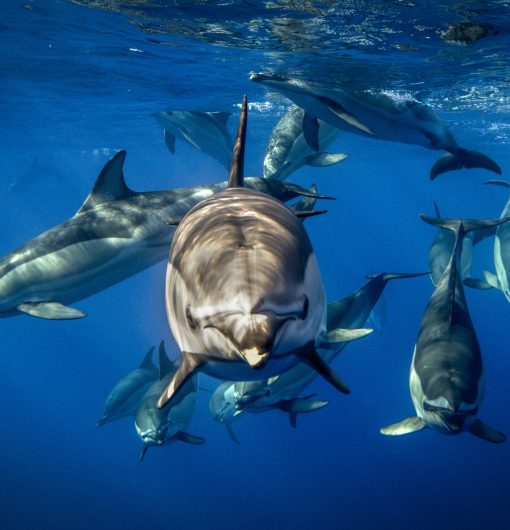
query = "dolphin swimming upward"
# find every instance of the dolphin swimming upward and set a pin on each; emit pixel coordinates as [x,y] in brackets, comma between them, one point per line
[115,234]
[378,116]
[157,427]
[446,379]
[288,150]
[244,294]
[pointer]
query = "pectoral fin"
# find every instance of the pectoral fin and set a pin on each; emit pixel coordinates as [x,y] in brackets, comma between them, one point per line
[50,310]
[169,141]
[349,118]
[190,364]
[476,283]
[189,438]
[479,429]
[324,159]
[492,279]
[411,424]
[346,335]
[310,357]
[311,131]
[299,405]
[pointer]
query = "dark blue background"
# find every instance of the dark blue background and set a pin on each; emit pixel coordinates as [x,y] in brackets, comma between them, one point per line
[72,93]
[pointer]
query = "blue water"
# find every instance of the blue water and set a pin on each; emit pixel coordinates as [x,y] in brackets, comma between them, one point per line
[78,81]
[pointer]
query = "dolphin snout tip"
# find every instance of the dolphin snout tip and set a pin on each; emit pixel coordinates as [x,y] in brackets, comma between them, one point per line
[255,357]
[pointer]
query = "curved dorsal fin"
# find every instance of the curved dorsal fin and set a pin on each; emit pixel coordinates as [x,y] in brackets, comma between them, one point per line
[147,360]
[110,184]
[165,365]
[236,175]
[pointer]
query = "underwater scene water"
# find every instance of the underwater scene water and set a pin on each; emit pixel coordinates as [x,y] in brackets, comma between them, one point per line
[83,81]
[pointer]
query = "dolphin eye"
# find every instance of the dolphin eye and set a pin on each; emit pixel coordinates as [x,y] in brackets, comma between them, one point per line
[189,317]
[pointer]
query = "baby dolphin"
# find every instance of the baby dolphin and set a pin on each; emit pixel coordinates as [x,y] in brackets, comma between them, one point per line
[288,150]
[446,378]
[244,295]
[125,397]
[159,427]
[378,116]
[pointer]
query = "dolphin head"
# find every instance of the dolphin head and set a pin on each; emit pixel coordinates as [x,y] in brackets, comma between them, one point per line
[223,403]
[247,288]
[250,330]
[449,413]
[279,82]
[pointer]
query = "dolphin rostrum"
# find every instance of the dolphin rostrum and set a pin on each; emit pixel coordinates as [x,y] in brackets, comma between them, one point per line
[205,131]
[231,399]
[378,116]
[288,150]
[244,294]
[446,377]
[125,396]
[157,427]
[115,234]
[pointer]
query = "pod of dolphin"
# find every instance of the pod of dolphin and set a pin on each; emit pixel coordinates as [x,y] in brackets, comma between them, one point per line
[244,296]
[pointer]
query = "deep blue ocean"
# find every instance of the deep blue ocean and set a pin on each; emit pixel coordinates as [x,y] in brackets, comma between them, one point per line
[79,81]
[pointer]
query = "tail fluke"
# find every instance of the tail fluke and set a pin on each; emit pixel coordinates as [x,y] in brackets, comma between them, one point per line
[465,224]
[463,158]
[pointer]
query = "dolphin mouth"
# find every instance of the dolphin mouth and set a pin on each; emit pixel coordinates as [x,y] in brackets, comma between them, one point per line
[453,419]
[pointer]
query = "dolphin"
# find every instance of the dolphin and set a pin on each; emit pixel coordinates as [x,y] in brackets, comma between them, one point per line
[157,427]
[377,116]
[115,234]
[441,249]
[288,150]
[500,280]
[244,295]
[205,131]
[446,377]
[231,399]
[125,397]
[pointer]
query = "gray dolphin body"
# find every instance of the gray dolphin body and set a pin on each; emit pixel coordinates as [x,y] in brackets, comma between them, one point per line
[116,233]
[288,150]
[378,116]
[232,399]
[157,427]
[500,280]
[446,377]
[125,397]
[205,131]
[244,294]
[440,253]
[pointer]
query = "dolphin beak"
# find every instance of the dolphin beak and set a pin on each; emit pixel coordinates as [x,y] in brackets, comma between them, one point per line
[255,357]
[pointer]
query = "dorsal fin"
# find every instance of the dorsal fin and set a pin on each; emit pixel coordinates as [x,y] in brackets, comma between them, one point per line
[110,184]
[165,365]
[147,360]
[236,175]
